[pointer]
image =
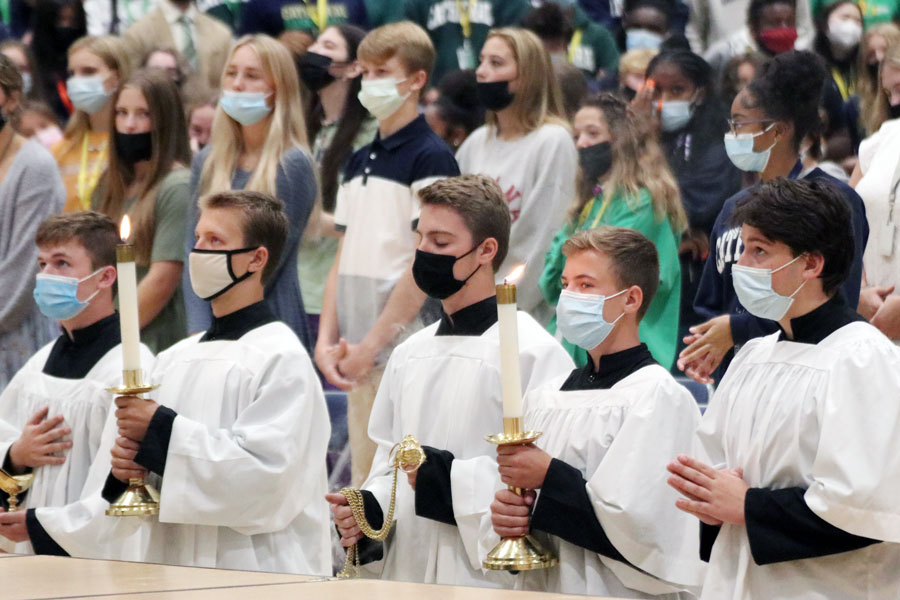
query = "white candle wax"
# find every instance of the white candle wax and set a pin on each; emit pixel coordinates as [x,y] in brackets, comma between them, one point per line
[510,380]
[128,310]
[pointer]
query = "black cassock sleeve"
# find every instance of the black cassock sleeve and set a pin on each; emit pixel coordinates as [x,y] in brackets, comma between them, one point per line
[565,510]
[781,527]
[40,539]
[434,499]
[155,446]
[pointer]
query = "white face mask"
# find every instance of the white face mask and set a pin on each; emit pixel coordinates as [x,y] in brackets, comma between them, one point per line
[212,273]
[754,289]
[844,34]
[381,97]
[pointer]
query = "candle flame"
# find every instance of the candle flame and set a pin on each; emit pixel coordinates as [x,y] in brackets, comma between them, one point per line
[515,274]
[125,228]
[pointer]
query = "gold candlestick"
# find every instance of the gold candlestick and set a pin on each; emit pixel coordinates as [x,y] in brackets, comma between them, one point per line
[140,498]
[522,553]
[15,485]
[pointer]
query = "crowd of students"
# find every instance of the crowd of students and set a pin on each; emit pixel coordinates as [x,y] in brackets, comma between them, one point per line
[346,180]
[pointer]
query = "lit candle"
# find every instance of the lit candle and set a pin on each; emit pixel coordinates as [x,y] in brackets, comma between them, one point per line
[507,322]
[128,302]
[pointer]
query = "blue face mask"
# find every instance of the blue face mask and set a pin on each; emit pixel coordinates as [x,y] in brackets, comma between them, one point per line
[675,114]
[247,108]
[57,295]
[642,39]
[739,148]
[87,93]
[579,318]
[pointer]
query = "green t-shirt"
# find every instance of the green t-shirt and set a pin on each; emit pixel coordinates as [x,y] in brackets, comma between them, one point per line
[441,19]
[592,47]
[659,327]
[170,215]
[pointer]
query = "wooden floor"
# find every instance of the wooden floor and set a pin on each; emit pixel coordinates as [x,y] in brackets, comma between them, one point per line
[46,577]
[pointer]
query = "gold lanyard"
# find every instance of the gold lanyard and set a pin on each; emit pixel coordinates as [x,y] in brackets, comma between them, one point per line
[575,44]
[845,90]
[86,185]
[320,18]
[465,17]
[587,210]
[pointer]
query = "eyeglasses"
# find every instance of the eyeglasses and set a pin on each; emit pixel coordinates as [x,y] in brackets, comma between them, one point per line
[735,125]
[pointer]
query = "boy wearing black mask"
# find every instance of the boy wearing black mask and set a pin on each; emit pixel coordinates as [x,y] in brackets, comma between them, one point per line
[442,386]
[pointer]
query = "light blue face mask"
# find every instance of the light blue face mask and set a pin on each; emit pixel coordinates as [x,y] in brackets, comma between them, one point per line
[87,93]
[754,289]
[57,295]
[675,114]
[642,39]
[579,318]
[247,108]
[739,148]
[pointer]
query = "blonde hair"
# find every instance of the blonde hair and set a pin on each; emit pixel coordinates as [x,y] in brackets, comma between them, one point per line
[287,128]
[538,99]
[111,50]
[637,162]
[405,40]
[873,110]
[636,61]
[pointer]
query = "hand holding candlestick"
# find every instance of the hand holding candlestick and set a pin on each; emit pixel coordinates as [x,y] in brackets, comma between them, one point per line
[522,553]
[139,498]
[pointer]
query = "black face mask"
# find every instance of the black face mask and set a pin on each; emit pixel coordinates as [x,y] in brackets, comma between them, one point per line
[134,147]
[433,273]
[314,71]
[894,111]
[494,95]
[2,121]
[628,93]
[595,161]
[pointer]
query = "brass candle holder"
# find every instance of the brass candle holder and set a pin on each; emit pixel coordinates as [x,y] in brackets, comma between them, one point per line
[523,553]
[15,485]
[140,498]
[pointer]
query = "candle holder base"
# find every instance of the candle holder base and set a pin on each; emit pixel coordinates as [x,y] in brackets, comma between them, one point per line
[138,500]
[519,554]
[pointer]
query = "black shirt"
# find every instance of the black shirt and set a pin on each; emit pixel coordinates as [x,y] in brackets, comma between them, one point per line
[474,319]
[613,369]
[234,325]
[74,357]
[815,326]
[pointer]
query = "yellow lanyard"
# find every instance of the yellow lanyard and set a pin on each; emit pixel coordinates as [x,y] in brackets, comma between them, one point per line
[87,184]
[465,17]
[846,92]
[575,44]
[321,16]
[587,210]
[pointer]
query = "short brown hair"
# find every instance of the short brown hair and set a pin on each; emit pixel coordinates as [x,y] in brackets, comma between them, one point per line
[480,202]
[634,258]
[405,40]
[265,222]
[96,233]
[10,78]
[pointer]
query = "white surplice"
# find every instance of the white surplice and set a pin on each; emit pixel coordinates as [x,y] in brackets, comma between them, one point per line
[245,472]
[823,417]
[621,439]
[84,404]
[445,391]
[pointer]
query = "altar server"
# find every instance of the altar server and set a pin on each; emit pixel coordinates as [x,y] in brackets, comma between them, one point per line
[442,386]
[237,430]
[798,480]
[52,412]
[609,429]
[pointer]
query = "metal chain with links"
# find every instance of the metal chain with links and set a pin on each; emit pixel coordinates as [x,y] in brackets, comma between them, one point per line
[407,456]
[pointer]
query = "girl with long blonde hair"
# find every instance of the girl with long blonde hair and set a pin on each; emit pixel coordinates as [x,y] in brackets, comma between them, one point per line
[97,66]
[259,143]
[527,147]
[625,181]
[148,180]
[873,104]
